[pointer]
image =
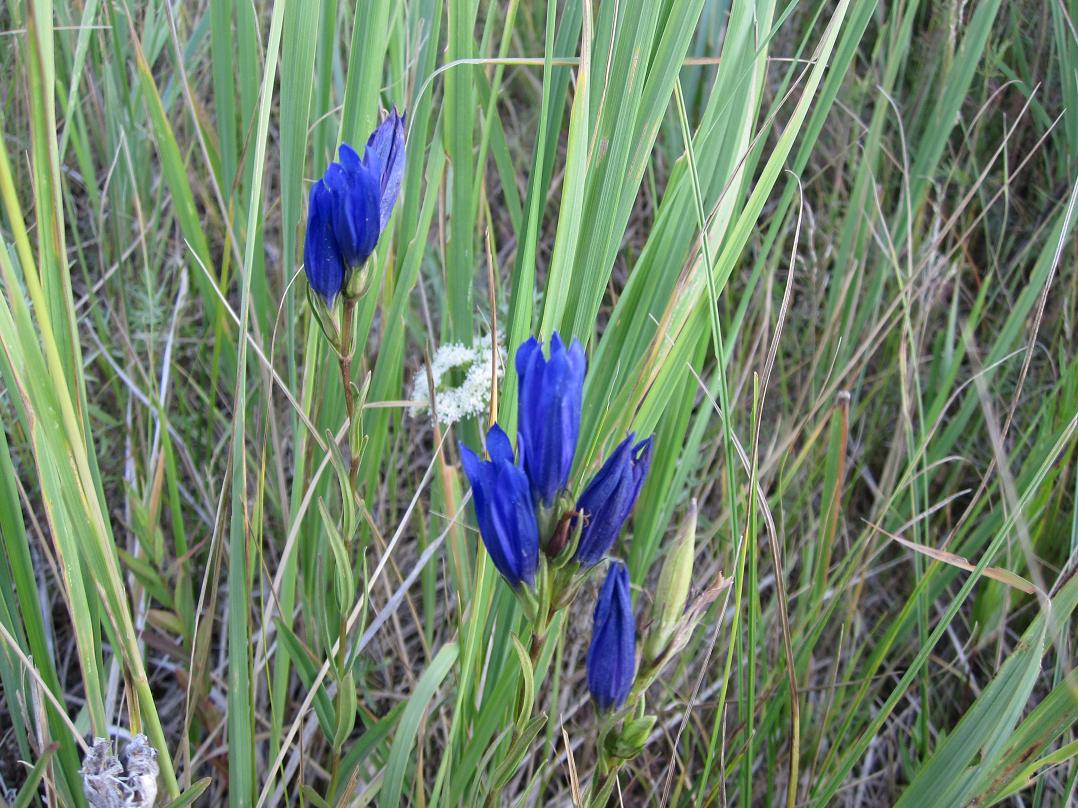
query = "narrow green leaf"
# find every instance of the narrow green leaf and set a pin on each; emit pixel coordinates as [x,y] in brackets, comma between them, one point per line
[527,678]
[401,752]
[28,791]
[514,757]
[193,793]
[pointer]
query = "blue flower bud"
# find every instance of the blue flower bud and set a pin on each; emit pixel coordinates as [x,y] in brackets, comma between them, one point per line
[551,395]
[612,653]
[350,205]
[503,508]
[608,499]
[321,258]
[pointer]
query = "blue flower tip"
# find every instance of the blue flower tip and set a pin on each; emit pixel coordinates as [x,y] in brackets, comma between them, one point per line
[611,661]
[499,446]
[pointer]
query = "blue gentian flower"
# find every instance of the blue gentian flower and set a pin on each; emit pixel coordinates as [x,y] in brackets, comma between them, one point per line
[350,205]
[551,394]
[612,653]
[609,498]
[504,509]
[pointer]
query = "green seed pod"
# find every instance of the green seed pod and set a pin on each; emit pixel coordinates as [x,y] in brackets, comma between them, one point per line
[673,590]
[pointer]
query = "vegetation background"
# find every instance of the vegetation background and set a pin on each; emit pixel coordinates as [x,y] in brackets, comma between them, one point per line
[824,250]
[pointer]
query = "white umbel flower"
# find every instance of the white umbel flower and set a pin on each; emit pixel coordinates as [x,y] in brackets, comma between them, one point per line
[472,395]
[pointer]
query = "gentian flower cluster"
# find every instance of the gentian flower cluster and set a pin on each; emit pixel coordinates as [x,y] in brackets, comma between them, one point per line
[522,503]
[506,487]
[546,540]
[349,208]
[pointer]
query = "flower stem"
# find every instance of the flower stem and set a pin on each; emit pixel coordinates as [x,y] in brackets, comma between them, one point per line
[344,356]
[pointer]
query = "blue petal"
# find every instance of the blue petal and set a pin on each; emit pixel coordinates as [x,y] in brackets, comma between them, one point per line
[608,499]
[556,345]
[385,150]
[526,355]
[519,515]
[605,504]
[473,469]
[321,256]
[551,395]
[498,445]
[577,356]
[484,497]
[349,157]
[472,465]
[503,509]
[549,471]
[336,179]
[355,219]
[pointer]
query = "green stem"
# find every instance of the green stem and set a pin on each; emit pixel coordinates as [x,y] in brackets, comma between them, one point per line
[344,356]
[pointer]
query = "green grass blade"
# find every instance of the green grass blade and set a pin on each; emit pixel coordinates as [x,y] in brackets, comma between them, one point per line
[401,751]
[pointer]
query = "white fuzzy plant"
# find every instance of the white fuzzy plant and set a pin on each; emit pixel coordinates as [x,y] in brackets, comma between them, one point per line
[109,783]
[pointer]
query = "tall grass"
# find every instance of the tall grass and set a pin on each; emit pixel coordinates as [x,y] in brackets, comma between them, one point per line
[825,251]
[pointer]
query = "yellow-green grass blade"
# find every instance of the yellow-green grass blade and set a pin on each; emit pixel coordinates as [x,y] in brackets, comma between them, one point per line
[23,619]
[458,132]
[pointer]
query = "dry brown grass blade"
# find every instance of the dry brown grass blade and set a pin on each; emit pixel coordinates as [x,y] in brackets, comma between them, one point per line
[1006,577]
[574,778]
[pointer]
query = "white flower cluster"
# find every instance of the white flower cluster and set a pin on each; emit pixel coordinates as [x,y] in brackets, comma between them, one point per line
[472,395]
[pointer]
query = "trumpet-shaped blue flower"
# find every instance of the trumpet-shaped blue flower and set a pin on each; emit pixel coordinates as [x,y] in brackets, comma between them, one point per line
[612,653]
[350,205]
[551,394]
[504,509]
[608,499]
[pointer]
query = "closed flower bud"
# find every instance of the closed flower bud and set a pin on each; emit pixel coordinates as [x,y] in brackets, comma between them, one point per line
[673,590]
[321,256]
[349,207]
[551,395]
[612,653]
[608,499]
[504,509]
